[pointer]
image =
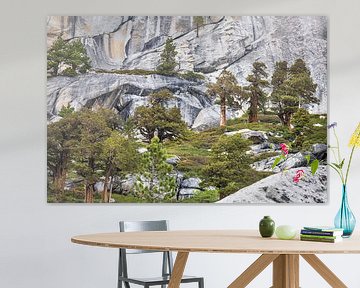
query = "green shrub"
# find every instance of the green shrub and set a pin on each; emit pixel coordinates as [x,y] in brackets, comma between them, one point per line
[192,76]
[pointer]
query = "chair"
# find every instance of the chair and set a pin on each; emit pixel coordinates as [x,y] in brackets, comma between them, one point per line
[167,262]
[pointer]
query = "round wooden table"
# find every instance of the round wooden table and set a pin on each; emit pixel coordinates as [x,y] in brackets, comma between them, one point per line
[284,254]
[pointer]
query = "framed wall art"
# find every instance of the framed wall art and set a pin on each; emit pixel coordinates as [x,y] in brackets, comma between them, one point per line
[187,109]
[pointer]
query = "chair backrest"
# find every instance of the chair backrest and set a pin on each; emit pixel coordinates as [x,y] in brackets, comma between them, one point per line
[134,226]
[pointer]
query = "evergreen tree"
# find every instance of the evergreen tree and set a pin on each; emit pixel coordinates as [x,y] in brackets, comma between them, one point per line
[229,93]
[56,56]
[155,184]
[120,157]
[292,88]
[199,21]
[302,127]
[61,136]
[92,131]
[229,164]
[257,96]
[66,111]
[68,54]
[167,58]
[77,59]
[156,117]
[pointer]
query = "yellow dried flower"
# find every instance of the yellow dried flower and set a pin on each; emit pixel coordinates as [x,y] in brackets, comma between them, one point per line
[355,138]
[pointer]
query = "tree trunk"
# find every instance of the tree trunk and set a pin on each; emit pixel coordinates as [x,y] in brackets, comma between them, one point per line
[89,193]
[104,194]
[253,110]
[223,112]
[59,179]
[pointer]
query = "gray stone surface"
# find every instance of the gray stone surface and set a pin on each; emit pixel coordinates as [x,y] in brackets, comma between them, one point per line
[280,188]
[123,92]
[191,183]
[128,42]
[257,137]
[209,117]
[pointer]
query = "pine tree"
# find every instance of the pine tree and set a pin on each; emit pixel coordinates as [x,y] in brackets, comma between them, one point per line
[293,88]
[228,91]
[56,56]
[199,21]
[68,54]
[120,157]
[167,58]
[155,184]
[92,130]
[257,96]
[156,117]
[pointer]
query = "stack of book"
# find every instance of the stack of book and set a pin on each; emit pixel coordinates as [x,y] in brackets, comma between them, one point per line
[321,234]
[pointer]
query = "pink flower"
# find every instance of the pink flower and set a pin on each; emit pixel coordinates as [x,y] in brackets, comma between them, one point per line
[284,149]
[299,174]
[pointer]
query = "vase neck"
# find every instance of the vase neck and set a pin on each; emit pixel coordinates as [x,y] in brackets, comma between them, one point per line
[344,194]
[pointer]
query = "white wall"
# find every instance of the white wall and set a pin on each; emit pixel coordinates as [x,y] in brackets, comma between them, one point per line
[35,248]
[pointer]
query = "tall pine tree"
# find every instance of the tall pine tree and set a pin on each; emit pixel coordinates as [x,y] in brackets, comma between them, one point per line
[155,184]
[228,91]
[167,58]
[293,88]
[257,96]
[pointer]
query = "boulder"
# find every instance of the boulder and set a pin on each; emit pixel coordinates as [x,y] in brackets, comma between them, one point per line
[280,188]
[292,161]
[185,193]
[191,183]
[209,117]
[319,151]
[174,160]
[257,137]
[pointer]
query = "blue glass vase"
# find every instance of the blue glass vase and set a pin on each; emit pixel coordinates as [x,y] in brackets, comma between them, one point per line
[345,219]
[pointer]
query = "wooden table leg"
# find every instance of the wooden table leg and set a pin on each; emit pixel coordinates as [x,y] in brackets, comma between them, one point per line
[286,271]
[178,270]
[253,270]
[324,271]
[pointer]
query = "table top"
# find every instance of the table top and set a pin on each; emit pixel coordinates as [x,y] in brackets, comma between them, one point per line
[216,241]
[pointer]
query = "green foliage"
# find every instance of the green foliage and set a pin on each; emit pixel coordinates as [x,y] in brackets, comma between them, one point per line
[229,93]
[155,184]
[292,88]
[228,168]
[207,196]
[199,21]
[156,118]
[66,111]
[255,93]
[307,131]
[167,59]
[71,55]
[192,76]
[88,145]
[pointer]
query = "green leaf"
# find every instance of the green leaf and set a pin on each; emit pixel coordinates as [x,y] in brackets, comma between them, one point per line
[342,163]
[307,157]
[314,166]
[277,161]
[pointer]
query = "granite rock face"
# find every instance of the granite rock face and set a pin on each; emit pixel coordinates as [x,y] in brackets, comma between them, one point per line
[123,92]
[280,188]
[234,43]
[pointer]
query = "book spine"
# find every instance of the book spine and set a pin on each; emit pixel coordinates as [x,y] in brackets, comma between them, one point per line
[318,236]
[317,239]
[320,233]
